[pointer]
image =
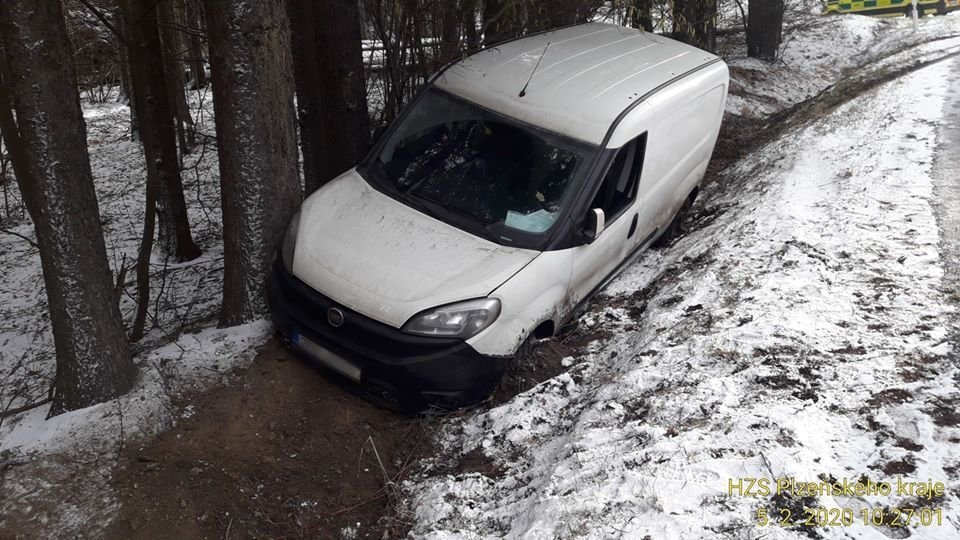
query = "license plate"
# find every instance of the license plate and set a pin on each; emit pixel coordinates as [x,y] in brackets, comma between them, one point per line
[326,357]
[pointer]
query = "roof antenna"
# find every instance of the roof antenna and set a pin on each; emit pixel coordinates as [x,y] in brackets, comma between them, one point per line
[523,92]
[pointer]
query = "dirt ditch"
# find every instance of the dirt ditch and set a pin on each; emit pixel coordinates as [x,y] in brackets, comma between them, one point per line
[284,453]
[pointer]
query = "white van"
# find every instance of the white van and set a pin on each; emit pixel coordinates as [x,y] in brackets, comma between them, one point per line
[518,183]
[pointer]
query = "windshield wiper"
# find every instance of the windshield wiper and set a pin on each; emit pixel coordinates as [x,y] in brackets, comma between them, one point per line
[480,228]
[419,205]
[375,168]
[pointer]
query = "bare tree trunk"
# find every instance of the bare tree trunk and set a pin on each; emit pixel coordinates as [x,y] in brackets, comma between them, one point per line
[138,329]
[124,74]
[501,21]
[127,86]
[764,28]
[695,22]
[470,34]
[331,91]
[418,53]
[308,81]
[253,92]
[157,127]
[450,20]
[195,24]
[642,14]
[134,121]
[173,52]
[547,14]
[93,355]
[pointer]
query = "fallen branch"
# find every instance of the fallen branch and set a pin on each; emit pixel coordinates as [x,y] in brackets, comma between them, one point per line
[18,235]
[15,411]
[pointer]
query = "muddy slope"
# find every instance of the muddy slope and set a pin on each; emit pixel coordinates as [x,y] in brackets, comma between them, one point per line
[283,453]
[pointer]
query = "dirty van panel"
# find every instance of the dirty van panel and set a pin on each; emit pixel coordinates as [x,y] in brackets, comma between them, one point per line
[680,147]
[538,294]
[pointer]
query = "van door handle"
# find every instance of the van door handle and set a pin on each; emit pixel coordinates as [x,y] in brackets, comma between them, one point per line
[633,226]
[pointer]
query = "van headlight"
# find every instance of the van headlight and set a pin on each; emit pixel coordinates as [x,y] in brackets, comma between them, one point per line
[290,241]
[461,320]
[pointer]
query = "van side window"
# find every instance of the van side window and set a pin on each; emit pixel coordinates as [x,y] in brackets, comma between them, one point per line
[619,188]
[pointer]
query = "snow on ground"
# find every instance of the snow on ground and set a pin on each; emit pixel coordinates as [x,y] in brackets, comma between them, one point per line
[183,295]
[806,329]
[79,447]
[801,332]
[818,50]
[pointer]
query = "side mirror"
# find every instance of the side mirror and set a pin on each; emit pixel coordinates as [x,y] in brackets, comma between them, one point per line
[594,225]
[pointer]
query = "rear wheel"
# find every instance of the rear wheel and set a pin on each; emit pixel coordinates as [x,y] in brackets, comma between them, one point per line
[676,229]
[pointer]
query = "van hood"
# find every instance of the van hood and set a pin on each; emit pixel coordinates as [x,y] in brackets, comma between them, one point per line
[388,261]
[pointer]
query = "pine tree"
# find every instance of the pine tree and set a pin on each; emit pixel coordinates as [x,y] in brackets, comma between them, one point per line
[253,88]
[155,118]
[764,28]
[330,86]
[48,144]
[695,22]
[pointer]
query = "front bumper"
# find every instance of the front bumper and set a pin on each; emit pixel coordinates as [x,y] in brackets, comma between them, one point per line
[411,373]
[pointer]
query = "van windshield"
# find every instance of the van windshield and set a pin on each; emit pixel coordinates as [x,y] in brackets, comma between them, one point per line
[499,174]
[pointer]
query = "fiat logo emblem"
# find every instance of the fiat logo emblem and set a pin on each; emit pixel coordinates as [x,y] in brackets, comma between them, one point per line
[335,317]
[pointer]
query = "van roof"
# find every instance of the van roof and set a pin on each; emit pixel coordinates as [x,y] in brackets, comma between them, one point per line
[589,74]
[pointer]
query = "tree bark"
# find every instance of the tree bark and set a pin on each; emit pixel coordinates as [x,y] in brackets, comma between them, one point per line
[331,91]
[642,15]
[124,96]
[157,128]
[695,22]
[501,21]
[764,29]
[173,56]
[308,81]
[547,14]
[194,21]
[253,89]
[127,82]
[470,33]
[93,355]
[450,22]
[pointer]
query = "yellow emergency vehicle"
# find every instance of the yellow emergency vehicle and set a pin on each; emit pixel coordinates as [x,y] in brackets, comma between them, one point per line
[891,7]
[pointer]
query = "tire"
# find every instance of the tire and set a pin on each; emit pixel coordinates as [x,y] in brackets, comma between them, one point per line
[942,7]
[676,229]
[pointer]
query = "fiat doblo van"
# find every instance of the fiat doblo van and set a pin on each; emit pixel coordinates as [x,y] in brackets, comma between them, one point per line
[516,184]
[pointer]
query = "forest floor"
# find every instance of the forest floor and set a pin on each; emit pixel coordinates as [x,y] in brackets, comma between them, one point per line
[217,442]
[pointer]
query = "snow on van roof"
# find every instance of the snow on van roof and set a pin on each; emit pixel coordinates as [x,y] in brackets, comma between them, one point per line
[588,75]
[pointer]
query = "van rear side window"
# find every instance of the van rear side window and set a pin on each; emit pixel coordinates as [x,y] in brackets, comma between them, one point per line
[619,188]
